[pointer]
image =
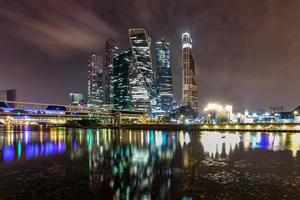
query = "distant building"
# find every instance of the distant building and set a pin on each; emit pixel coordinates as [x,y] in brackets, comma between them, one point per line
[95,89]
[296,114]
[285,117]
[183,113]
[111,51]
[164,75]
[122,98]
[8,95]
[141,73]
[189,85]
[217,113]
[276,109]
[76,98]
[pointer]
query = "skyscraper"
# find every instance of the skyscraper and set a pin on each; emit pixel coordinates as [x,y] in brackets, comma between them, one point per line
[110,51]
[141,73]
[95,90]
[122,98]
[189,86]
[164,75]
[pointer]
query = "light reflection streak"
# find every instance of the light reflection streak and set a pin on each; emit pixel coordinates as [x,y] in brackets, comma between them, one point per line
[213,142]
[295,143]
[19,149]
[181,138]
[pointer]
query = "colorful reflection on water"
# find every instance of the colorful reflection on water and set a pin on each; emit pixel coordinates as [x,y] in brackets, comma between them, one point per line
[130,162]
[213,142]
[23,143]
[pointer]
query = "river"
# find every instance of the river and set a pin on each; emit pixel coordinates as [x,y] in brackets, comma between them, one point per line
[65,163]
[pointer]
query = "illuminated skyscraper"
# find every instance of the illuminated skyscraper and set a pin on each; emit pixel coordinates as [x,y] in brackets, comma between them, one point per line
[189,85]
[141,73]
[164,75]
[95,90]
[111,50]
[122,98]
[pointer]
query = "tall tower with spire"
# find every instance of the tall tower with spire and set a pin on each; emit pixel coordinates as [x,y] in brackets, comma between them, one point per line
[189,85]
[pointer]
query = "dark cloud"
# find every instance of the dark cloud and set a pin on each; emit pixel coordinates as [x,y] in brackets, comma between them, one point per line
[59,27]
[246,51]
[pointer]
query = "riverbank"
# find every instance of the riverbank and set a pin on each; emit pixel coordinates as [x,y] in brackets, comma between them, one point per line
[180,127]
[194,127]
[223,127]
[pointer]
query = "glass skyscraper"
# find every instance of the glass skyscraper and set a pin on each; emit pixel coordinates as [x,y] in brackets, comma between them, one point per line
[141,73]
[95,90]
[164,75]
[189,85]
[122,98]
[110,51]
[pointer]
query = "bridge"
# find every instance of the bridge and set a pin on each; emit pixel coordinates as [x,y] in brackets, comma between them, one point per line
[13,112]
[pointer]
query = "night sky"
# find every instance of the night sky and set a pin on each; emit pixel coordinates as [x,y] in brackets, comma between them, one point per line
[247,51]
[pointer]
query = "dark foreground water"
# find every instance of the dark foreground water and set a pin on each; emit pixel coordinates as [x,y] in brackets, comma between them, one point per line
[63,163]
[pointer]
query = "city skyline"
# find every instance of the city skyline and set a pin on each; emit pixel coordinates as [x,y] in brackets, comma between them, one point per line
[241,60]
[132,80]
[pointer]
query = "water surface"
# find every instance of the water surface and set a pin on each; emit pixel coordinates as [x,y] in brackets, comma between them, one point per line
[61,163]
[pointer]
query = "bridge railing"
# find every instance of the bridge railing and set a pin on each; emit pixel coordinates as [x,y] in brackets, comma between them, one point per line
[67,109]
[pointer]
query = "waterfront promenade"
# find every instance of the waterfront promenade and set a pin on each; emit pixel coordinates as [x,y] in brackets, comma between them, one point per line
[275,127]
[221,127]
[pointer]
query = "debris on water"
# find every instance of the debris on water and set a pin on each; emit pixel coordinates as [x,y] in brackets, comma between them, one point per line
[222,177]
[242,164]
[220,162]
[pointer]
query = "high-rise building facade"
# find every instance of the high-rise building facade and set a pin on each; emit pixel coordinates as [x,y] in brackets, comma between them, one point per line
[122,98]
[95,89]
[8,95]
[141,73]
[76,98]
[164,75]
[110,51]
[189,85]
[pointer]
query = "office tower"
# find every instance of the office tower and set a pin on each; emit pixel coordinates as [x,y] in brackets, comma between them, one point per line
[189,86]
[141,73]
[8,95]
[110,51]
[122,98]
[164,75]
[76,98]
[95,90]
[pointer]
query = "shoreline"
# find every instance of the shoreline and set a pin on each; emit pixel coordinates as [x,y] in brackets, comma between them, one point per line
[223,128]
[182,127]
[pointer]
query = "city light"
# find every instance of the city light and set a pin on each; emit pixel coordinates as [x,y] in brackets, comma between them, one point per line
[149,99]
